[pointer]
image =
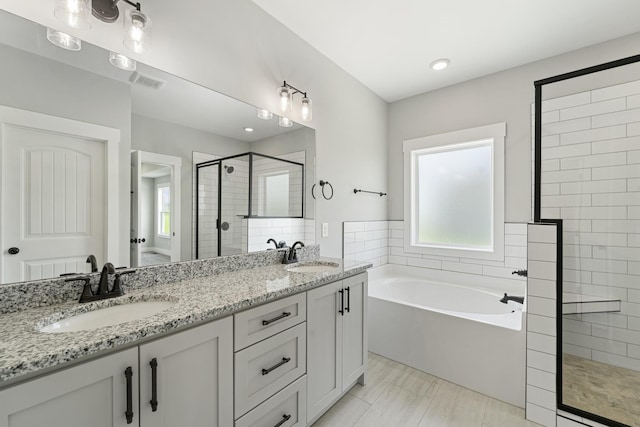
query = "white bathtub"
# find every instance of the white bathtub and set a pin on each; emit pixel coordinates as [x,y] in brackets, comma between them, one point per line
[461,333]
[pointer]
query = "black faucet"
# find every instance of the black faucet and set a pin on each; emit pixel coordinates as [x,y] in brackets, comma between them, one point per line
[274,243]
[94,263]
[522,273]
[103,285]
[506,298]
[292,256]
[103,291]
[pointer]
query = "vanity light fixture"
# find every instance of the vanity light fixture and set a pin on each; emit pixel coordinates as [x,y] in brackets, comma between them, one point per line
[122,62]
[286,92]
[285,122]
[73,13]
[137,25]
[63,40]
[440,64]
[265,114]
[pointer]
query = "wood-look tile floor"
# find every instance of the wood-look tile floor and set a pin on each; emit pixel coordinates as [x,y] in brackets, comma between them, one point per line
[397,395]
[602,389]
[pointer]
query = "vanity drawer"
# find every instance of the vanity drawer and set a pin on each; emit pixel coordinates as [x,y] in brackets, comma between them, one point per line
[267,367]
[289,405]
[261,322]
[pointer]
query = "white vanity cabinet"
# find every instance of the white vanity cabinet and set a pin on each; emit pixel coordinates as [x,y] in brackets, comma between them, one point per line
[336,341]
[93,394]
[193,382]
[193,378]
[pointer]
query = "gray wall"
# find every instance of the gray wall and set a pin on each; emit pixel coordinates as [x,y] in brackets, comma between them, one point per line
[34,83]
[502,97]
[167,138]
[236,48]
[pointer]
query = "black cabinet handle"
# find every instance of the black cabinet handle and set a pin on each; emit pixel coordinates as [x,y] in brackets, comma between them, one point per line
[341,311]
[347,308]
[128,373]
[154,384]
[275,319]
[276,366]
[285,418]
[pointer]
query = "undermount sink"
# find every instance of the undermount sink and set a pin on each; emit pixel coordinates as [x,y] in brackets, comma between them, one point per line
[108,316]
[314,267]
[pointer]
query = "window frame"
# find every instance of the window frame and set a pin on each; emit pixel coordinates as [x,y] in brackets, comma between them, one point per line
[159,211]
[440,142]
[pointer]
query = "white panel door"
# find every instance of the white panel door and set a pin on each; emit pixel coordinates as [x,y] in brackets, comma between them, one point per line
[324,348]
[194,378]
[56,175]
[92,394]
[135,247]
[53,203]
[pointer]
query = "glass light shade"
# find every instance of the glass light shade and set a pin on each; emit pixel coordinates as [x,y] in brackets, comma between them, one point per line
[63,40]
[307,113]
[285,98]
[137,31]
[73,13]
[285,122]
[123,62]
[265,114]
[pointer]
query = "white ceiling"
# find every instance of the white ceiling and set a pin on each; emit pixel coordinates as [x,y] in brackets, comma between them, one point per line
[389,44]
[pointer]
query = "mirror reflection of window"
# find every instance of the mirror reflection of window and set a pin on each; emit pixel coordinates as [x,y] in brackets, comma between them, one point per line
[164,210]
[277,195]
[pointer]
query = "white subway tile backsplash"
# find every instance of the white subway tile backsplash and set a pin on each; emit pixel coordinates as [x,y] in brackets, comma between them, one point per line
[575,350]
[616,360]
[593,108]
[633,129]
[543,416]
[613,145]
[542,270]
[564,151]
[616,91]
[541,397]
[595,343]
[542,361]
[588,187]
[541,324]
[462,268]
[566,200]
[616,199]
[569,101]
[592,135]
[541,306]
[542,251]
[541,379]
[617,118]
[616,334]
[568,126]
[541,288]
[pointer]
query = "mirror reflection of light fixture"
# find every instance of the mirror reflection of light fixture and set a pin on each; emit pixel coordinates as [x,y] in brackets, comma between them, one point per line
[122,62]
[63,40]
[137,25]
[286,92]
[285,122]
[265,114]
[73,13]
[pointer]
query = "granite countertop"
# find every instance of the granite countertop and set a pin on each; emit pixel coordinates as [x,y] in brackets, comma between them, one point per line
[25,351]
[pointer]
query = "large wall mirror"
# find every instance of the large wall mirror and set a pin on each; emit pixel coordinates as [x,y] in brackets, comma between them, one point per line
[590,180]
[101,161]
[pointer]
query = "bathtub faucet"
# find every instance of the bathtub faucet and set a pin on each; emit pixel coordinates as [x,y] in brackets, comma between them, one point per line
[506,298]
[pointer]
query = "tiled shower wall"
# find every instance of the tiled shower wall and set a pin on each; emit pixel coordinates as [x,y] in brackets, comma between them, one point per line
[208,206]
[265,166]
[382,242]
[591,179]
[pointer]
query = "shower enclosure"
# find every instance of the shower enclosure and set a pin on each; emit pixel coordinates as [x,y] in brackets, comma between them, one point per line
[587,180]
[232,190]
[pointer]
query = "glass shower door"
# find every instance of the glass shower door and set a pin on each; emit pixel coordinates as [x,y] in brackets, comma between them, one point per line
[234,192]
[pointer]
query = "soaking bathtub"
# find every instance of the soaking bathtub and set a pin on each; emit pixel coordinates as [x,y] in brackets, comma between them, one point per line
[459,332]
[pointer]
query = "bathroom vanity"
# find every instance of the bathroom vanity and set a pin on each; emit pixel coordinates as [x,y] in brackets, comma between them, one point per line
[252,347]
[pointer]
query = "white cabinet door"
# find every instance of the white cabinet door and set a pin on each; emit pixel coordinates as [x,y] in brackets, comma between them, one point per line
[354,340]
[324,348]
[194,378]
[92,394]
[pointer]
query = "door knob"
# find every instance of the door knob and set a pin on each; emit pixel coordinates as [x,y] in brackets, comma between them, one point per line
[13,251]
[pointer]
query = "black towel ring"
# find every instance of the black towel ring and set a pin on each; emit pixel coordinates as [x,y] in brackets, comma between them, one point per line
[322,184]
[312,191]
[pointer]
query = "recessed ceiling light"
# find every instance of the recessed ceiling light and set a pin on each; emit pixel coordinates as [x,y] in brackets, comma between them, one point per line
[440,64]
[248,129]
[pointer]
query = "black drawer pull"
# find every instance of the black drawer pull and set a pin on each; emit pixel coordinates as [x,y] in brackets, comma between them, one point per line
[128,373]
[276,366]
[154,384]
[341,311]
[285,418]
[348,306]
[275,319]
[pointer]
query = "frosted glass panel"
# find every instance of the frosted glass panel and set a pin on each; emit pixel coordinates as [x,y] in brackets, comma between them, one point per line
[455,197]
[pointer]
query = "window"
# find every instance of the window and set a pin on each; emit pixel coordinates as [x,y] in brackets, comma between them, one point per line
[276,194]
[163,200]
[454,193]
